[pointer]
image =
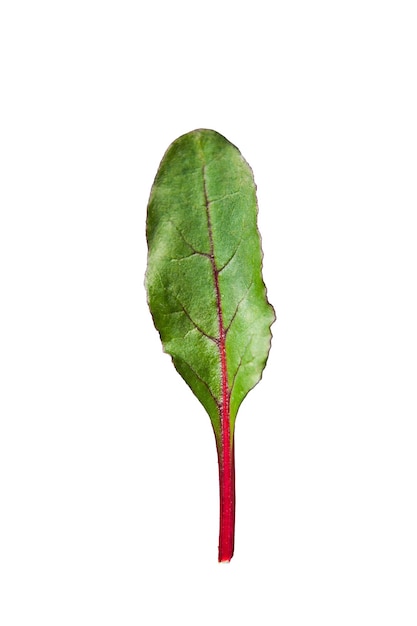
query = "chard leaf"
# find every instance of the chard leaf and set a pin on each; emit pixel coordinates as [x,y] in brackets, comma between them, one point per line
[205,287]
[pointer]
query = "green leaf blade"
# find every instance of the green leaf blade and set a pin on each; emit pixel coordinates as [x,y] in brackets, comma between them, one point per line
[202,219]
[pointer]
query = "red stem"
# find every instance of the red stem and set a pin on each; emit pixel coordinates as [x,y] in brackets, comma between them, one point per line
[227,504]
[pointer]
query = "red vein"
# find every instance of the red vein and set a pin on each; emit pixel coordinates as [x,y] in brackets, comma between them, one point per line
[239,365]
[226,454]
[237,308]
[184,310]
[187,243]
[231,258]
[196,326]
[201,380]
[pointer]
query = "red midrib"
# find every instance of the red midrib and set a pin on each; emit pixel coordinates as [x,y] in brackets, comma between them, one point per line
[226,451]
[226,469]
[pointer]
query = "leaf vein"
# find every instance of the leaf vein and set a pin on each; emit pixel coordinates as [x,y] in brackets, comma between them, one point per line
[237,307]
[232,257]
[194,323]
[239,366]
[187,243]
[203,382]
[227,195]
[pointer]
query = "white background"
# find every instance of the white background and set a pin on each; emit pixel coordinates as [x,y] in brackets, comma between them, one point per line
[109,503]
